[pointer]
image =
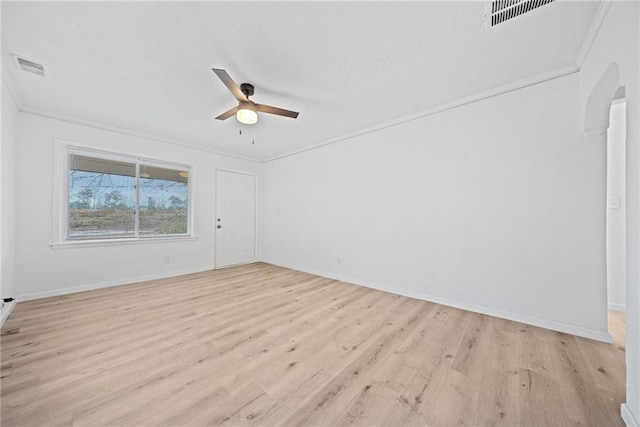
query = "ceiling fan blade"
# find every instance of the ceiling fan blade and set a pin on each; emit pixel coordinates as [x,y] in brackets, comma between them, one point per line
[230,84]
[227,114]
[277,111]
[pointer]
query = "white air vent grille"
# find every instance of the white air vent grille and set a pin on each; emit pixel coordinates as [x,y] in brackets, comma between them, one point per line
[29,65]
[503,10]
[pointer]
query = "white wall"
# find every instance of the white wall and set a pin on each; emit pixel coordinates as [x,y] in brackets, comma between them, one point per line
[618,42]
[7,191]
[497,206]
[616,243]
[42,270]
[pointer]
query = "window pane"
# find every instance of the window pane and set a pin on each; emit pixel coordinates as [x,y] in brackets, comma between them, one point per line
[102,198]
[164,198]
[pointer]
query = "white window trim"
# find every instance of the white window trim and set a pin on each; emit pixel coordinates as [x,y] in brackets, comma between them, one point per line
[60,199]
[68,244]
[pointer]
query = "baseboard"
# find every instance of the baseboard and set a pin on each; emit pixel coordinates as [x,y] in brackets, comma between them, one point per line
[617,307]
[490,311]
[90,287]
[628,417]
[6,310]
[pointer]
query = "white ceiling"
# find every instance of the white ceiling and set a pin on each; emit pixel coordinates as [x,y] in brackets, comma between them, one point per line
[146,66]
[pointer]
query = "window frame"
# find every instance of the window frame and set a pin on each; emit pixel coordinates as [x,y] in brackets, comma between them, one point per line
[63,151]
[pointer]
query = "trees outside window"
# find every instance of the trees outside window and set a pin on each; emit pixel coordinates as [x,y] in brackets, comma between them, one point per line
[113,196]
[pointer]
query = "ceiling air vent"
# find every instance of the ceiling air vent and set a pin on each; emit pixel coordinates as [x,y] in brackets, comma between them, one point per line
[503,10]
[28,65]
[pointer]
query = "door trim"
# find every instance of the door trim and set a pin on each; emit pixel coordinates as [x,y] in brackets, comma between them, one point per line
[256,212]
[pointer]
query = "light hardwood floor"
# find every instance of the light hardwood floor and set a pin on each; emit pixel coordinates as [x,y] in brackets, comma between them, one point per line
[263,345]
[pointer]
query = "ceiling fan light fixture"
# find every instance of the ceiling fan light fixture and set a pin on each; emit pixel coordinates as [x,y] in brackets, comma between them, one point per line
[247,113]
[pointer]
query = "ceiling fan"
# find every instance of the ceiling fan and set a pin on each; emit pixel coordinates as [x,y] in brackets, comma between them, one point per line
[247,111]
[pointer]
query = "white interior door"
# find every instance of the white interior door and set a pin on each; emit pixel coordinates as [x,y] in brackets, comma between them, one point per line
[235,218]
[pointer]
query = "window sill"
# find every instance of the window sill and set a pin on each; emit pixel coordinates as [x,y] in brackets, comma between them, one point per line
[70,244]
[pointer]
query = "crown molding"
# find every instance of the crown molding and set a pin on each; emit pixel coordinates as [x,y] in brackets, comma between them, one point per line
[129,132]
[103,126]
[501,90]
[594,29]
[596,24]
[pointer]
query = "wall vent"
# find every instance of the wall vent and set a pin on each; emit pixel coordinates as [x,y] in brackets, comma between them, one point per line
[29,65]
[504,10]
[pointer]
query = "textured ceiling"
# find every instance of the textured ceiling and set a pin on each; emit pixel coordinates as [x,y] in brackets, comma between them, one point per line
[146,66]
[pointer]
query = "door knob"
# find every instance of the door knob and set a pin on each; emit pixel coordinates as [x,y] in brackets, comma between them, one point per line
[219,226]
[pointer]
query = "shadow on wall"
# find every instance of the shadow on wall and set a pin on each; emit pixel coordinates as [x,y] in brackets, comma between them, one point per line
[596,117]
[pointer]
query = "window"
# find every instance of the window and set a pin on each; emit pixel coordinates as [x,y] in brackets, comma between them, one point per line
[116,197]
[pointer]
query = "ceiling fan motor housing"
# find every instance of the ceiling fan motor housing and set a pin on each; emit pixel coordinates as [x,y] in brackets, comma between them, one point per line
[247,89]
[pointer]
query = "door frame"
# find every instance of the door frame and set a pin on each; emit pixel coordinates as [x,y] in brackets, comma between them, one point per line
[256,211]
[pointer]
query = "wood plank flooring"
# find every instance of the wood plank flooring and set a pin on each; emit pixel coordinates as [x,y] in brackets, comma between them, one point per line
[262,345]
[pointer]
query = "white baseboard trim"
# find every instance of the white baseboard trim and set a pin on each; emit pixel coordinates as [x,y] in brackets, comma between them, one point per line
[628,417]
[92,286]
[617,307]
[6,311]
[490,311]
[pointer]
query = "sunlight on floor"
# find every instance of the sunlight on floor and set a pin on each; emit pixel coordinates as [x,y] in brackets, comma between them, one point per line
[617,327]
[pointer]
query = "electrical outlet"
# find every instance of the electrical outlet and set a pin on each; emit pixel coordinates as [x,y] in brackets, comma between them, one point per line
[166,260]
